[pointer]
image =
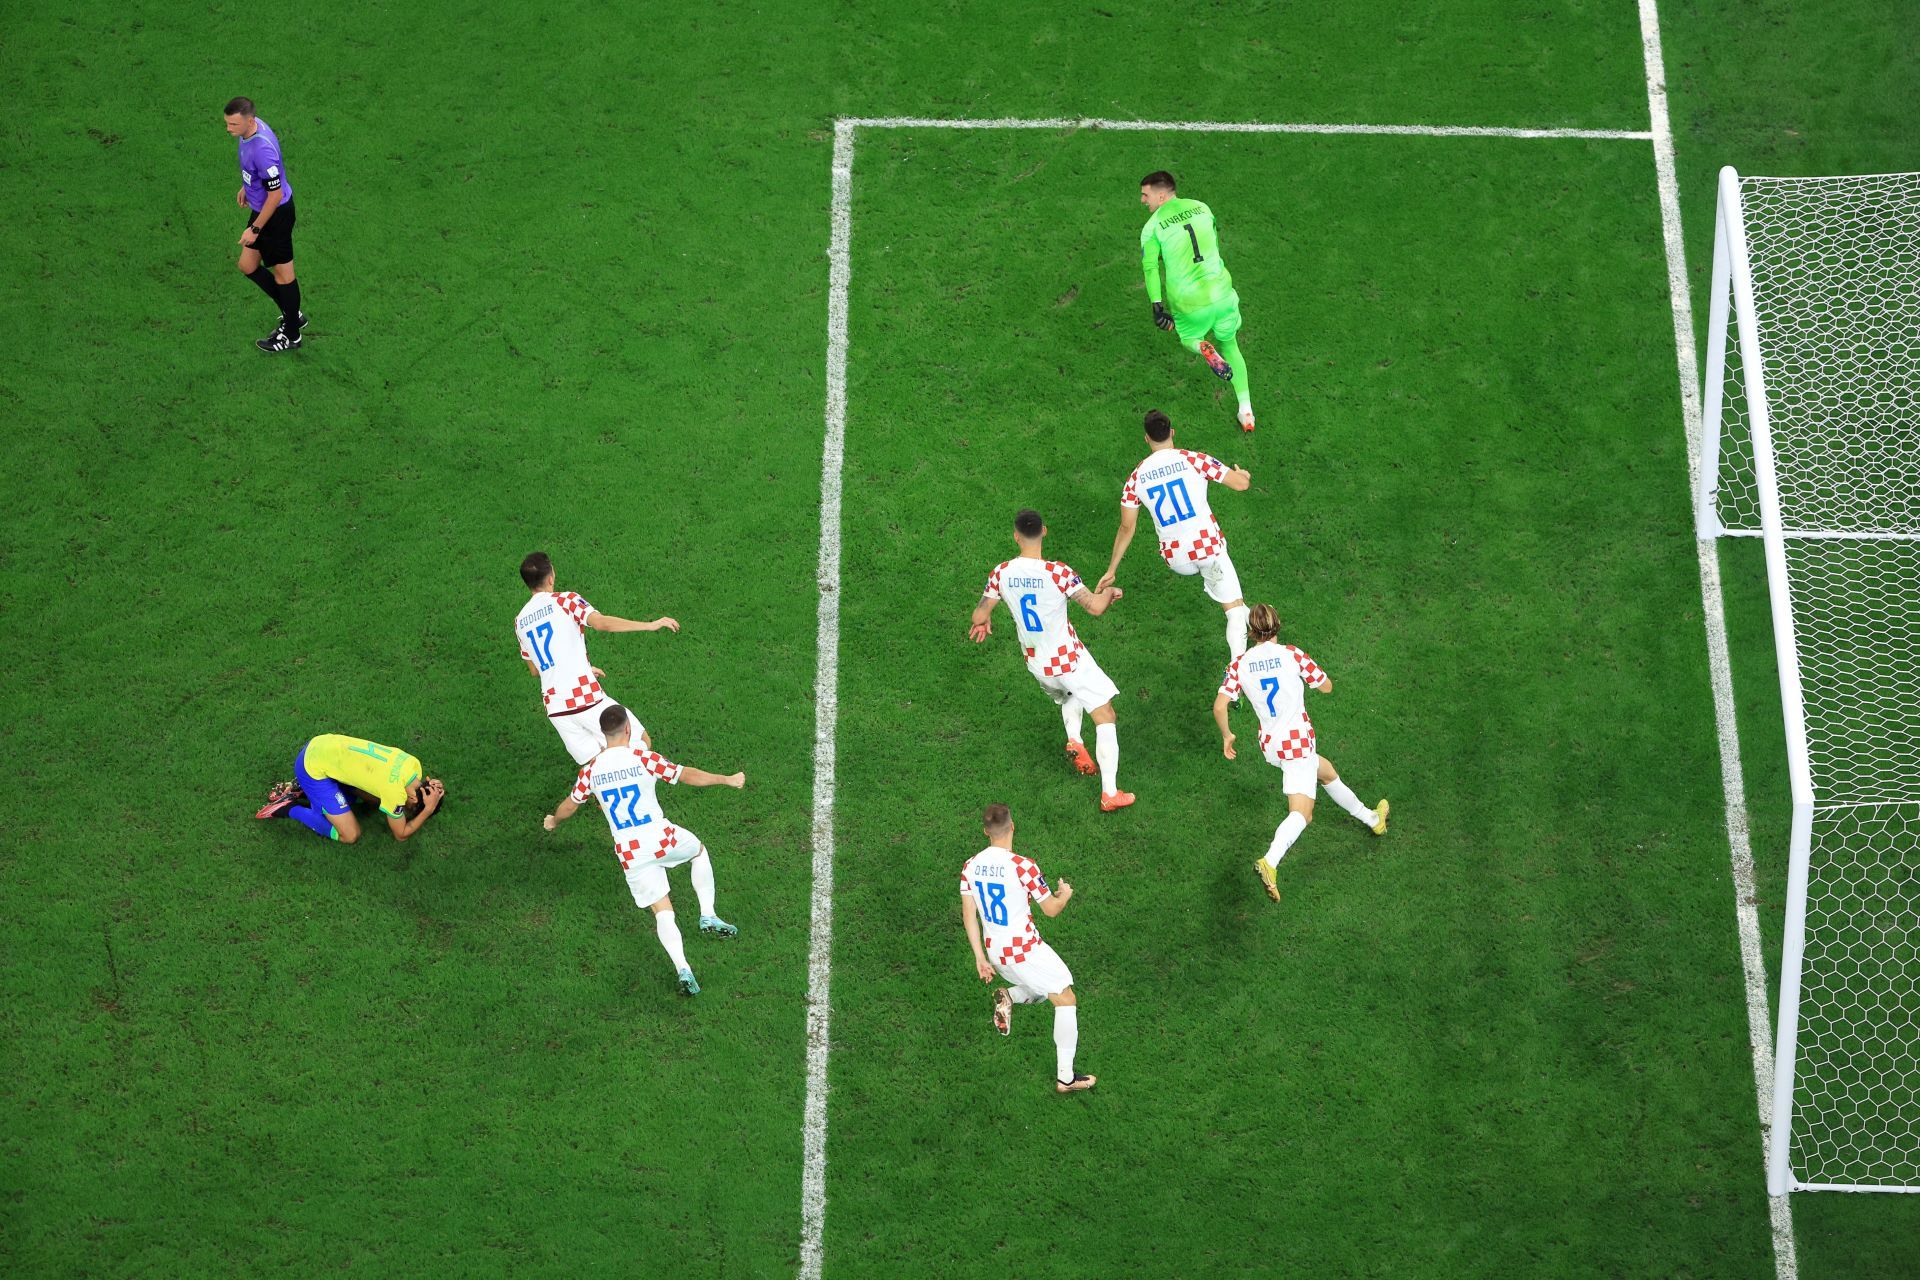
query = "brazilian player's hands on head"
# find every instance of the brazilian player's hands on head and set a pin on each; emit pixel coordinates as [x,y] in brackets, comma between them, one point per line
[431,794]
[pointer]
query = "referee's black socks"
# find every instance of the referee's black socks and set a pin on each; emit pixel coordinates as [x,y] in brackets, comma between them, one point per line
[263,276]
[290,307]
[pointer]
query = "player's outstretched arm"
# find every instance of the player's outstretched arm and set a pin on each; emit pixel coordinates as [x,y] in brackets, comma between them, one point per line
[1220,705]
[981,624]
[701,778]
[561,812]
[603,622]
[1056,902]
[1237,479]
[1122,539]
[404,827]
[972,923]
[1096,602]
[1325,685]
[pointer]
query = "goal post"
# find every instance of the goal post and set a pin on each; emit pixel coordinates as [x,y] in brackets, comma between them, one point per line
[1810,441]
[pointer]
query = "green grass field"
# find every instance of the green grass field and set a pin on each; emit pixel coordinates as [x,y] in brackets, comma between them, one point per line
[568,279]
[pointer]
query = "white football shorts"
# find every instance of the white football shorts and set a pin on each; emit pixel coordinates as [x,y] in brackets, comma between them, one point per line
[647,881]
[1217,575]
[1086,682]
[580,732]
[1298,777]
[1043,973]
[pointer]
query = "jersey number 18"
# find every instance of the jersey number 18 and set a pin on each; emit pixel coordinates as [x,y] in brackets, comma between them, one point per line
[993,901]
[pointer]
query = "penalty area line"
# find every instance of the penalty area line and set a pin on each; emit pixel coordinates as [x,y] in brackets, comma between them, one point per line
[813,1176]
[1239,126]
[826,709]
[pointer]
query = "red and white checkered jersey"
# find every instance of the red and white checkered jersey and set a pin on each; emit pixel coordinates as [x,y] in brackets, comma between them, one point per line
[1001,884]
[1172,485]
[623,780]
[1036,592]
[553,637]
[1276,677]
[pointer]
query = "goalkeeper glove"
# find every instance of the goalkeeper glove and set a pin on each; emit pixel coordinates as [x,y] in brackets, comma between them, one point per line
[1162,317]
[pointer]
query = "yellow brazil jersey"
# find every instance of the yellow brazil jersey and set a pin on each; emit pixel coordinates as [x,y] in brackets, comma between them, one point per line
[384,773]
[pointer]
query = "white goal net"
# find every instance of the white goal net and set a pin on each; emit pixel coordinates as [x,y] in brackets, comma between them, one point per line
[1812,442]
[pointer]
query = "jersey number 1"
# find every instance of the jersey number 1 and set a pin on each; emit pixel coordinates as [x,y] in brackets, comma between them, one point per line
[993,901]
[1197,255]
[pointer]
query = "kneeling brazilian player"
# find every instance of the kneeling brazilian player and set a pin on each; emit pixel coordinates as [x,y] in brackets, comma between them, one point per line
[332,767]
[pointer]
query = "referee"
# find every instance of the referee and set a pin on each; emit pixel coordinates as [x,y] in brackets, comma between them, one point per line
[266,244]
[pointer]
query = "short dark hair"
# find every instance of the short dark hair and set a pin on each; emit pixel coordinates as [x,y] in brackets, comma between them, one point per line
[1158,425]
[536,568]
[613,719]
[996,819]
[239,107]
[1027,523]
[1159,178]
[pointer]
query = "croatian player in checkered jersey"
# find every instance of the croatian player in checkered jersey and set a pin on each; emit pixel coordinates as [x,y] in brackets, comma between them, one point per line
[1276,677]
[623,779]
[1172,484]
[996,886]
[552,629]
[1036,590]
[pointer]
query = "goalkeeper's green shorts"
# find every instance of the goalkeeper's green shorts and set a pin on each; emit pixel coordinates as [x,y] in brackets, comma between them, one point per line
[1222,319]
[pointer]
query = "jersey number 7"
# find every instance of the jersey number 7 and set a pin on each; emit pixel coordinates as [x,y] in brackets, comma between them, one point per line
[1272,688]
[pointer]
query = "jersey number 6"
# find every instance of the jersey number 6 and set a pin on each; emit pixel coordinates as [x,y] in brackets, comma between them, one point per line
[1029,616]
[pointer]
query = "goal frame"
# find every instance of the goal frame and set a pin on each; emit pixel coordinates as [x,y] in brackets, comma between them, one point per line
[1732,300]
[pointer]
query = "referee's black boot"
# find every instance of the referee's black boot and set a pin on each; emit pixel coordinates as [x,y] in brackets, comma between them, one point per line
[277,341]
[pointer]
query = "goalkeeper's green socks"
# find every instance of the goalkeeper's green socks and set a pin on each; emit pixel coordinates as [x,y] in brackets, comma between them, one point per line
[1229,349]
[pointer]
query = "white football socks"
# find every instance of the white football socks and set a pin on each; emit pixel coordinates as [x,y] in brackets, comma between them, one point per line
[1106,749]
[1066,1038]
[1237,629]
[1283,837]
[702,870]
[1071,712]
[1343,796]
[670,939]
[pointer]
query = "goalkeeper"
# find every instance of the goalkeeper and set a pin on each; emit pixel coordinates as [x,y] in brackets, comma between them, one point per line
[1199,294]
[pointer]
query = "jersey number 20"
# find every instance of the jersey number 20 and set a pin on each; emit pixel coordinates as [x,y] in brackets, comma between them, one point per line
[540,640]
[993,901]
[1171,504]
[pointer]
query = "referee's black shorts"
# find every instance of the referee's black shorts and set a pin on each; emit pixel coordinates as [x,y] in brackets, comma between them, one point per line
[275,241]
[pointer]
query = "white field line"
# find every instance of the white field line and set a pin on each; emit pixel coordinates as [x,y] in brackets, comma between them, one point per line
[826,710]
[1746,913]
[813,1177]
[1234,126]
